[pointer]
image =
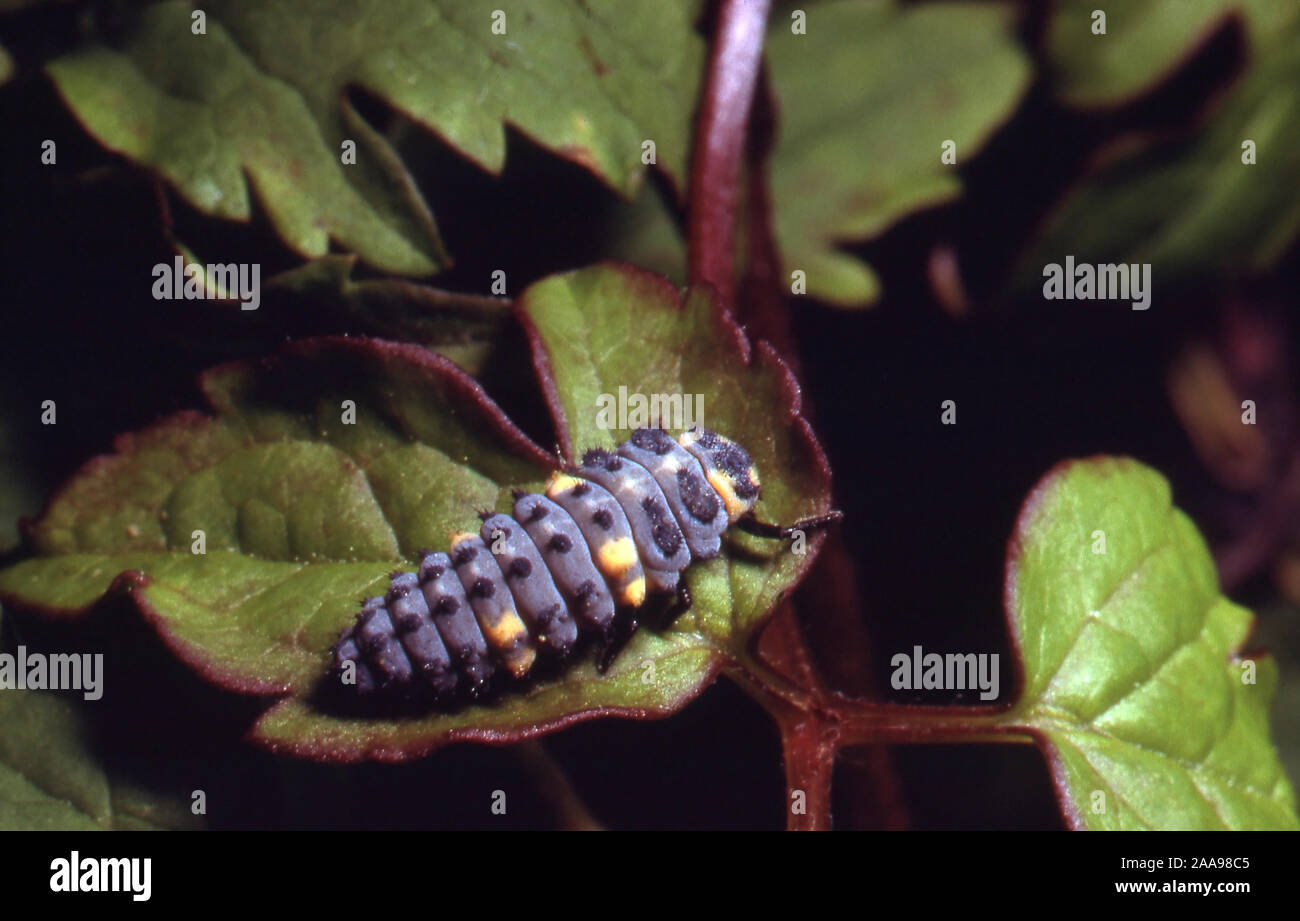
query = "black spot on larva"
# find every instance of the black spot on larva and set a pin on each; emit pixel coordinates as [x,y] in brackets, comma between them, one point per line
[431,573]
[405,620]
[538,513]
[698,496]
[581,489]
[667,536]
[656,440]
[520,568]
[586,593]
[560,543]
[506,532]
[708,439]
[596,457]
[549,616]
[482,588]
[369,608]
[603,518]
[398,589]
[370,643]
[733,460]
[446,605]
[463,554]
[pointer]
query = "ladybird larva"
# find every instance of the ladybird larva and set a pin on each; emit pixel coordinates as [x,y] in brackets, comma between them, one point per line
[563,567]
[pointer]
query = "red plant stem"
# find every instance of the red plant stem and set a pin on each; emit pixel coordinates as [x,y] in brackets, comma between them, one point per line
[554,784]
[763,304]
[868,790]
[816,727]
[867,722]
[809,748]
[893,724]
[720,133]
[807,744]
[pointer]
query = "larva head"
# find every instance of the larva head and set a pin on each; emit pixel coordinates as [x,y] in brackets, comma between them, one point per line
[729,469]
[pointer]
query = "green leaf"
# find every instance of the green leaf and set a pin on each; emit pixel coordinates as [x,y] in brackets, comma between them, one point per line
[304,512]
[1279,632]
[682,667]
[1190,207]
[645,234]
[866,100]
[51,779]
[6,66]
[595,342]
[1143,44]
[324,468]
[263,93]
[1133,679]
[462,327]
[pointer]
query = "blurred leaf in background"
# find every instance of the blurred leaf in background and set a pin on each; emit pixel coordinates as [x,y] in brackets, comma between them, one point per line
[1192,206]
[1143,43]
[462,327]
[262,94]
[866,100]
[52,779]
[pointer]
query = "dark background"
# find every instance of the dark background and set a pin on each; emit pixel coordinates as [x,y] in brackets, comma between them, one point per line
[928,507]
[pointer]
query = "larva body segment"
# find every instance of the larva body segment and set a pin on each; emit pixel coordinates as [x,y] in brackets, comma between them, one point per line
[494,606]
[608,534]
[658,537]
[568,558]
[417,634]
[537,599]
[530,586]
[450,612]
[699,511]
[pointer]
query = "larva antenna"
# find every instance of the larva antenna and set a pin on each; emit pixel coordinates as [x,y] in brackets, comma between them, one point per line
[751,525]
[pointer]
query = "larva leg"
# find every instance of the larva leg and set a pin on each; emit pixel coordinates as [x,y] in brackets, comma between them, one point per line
[624,629]
[681,604]
[622,633]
